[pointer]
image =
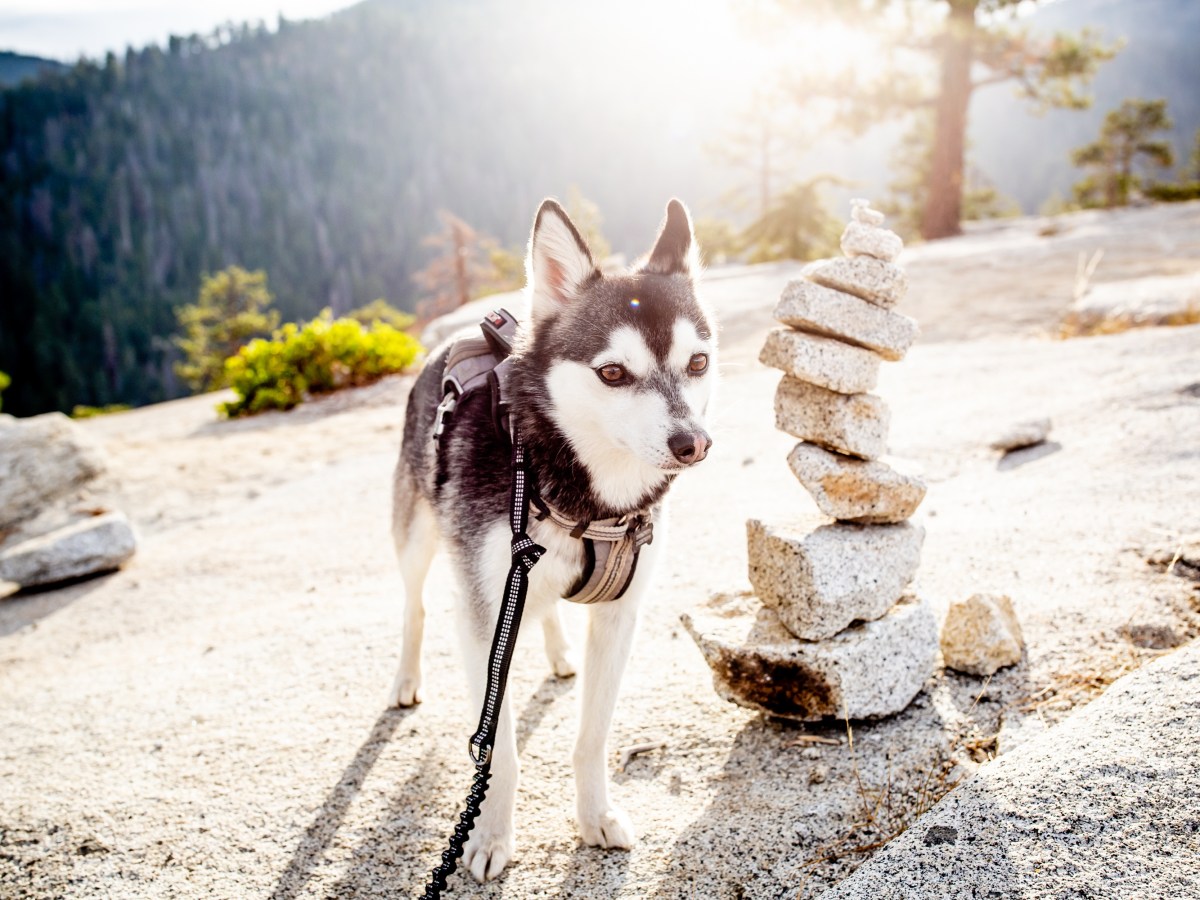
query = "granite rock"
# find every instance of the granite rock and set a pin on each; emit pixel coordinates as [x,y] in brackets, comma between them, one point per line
[871,670]
[854,424]
[821,310]
[1023,434]
[1103,804]
[822,580]
[821,360]
[870,240]
[854,490]
[88,547]
[981,634]
[873,280]
[42,458]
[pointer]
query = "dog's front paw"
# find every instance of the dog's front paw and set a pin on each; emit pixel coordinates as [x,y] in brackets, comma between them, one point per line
[406,691]
[564,664]
[610,828]
[487,853]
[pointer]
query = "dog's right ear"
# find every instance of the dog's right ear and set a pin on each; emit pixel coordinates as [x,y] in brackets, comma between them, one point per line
[558,263]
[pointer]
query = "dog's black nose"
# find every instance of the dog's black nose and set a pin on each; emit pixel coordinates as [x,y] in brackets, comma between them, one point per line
[689,446]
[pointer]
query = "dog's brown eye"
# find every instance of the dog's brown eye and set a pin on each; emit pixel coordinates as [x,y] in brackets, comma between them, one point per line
[698,363]
[613,374]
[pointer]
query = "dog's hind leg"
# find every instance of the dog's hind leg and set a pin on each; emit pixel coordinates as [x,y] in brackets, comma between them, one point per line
[415,532]
[558,647]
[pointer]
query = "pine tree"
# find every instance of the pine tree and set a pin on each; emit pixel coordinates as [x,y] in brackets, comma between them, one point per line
[232,308]
[452,276]
[972,47]
[1126,136]
[796,225]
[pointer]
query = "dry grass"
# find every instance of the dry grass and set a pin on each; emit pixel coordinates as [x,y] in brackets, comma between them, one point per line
[887,810]
[1074,325]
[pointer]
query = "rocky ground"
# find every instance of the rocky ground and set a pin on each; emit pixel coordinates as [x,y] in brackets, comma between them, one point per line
[210,721]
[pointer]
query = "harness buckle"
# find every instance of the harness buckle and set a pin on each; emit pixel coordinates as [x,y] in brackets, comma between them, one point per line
[444,409]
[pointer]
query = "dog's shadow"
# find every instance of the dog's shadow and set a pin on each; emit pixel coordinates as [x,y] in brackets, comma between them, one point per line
[383,862]
[311,851]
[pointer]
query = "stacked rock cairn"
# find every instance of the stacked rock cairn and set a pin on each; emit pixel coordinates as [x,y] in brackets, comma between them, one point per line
[829,629]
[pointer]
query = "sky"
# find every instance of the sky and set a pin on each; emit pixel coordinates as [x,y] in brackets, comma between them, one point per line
[67,29]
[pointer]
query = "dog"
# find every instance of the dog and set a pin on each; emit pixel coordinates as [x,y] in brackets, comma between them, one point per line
[611,378]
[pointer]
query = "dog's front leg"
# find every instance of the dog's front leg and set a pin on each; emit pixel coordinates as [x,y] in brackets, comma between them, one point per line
[492,842]
[610,635]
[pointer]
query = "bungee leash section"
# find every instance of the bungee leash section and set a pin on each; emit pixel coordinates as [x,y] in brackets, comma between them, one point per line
[525,554]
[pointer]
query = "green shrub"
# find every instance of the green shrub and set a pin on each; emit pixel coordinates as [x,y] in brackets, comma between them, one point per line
[5,381]
[382,311]
[324,355]
[1174,193]
[90,412]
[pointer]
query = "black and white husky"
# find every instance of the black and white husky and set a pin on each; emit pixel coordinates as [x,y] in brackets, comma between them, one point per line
[612,377]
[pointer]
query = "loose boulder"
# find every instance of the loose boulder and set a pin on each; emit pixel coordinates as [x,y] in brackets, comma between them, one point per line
[981,635]
[88,547]
[42,458]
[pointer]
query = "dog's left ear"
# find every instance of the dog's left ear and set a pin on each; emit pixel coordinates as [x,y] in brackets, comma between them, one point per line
[675,249]
[558,262]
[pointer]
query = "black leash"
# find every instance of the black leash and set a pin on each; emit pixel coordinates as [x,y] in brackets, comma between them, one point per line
[525,554]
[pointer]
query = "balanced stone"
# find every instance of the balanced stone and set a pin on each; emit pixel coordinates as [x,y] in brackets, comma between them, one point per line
[820,360]
[870,240]
[874,280]
[811,307]
[854,490]
[860,211]
[981,634]
[88,547]
[821,581]
[856,424]
[871,670]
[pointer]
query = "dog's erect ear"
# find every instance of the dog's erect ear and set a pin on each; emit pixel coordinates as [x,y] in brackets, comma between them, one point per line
[558,262]
[675,249]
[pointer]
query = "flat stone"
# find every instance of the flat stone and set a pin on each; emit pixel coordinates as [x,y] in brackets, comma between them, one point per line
[1023,434]
[1103,804]
[870,240]
[813,308]
[42,458]
[860,211]
[853,490]
[821,360]
[88,547]
[867,671]
[854,424]
[820,581]
[873,280]
[981,634]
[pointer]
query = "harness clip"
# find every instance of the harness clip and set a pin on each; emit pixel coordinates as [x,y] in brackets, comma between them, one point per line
[444,409]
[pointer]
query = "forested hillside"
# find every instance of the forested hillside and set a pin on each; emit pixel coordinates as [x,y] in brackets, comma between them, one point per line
[16,67]
[323,151]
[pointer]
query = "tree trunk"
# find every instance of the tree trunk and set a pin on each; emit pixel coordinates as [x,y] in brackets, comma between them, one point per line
[764,202]
[942,216]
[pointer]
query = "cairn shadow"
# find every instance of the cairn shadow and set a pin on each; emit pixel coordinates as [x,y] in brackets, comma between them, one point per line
[1014,459]
[790,800]
[311,850]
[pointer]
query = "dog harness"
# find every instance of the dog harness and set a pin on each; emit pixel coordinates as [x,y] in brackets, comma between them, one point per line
[611,546]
